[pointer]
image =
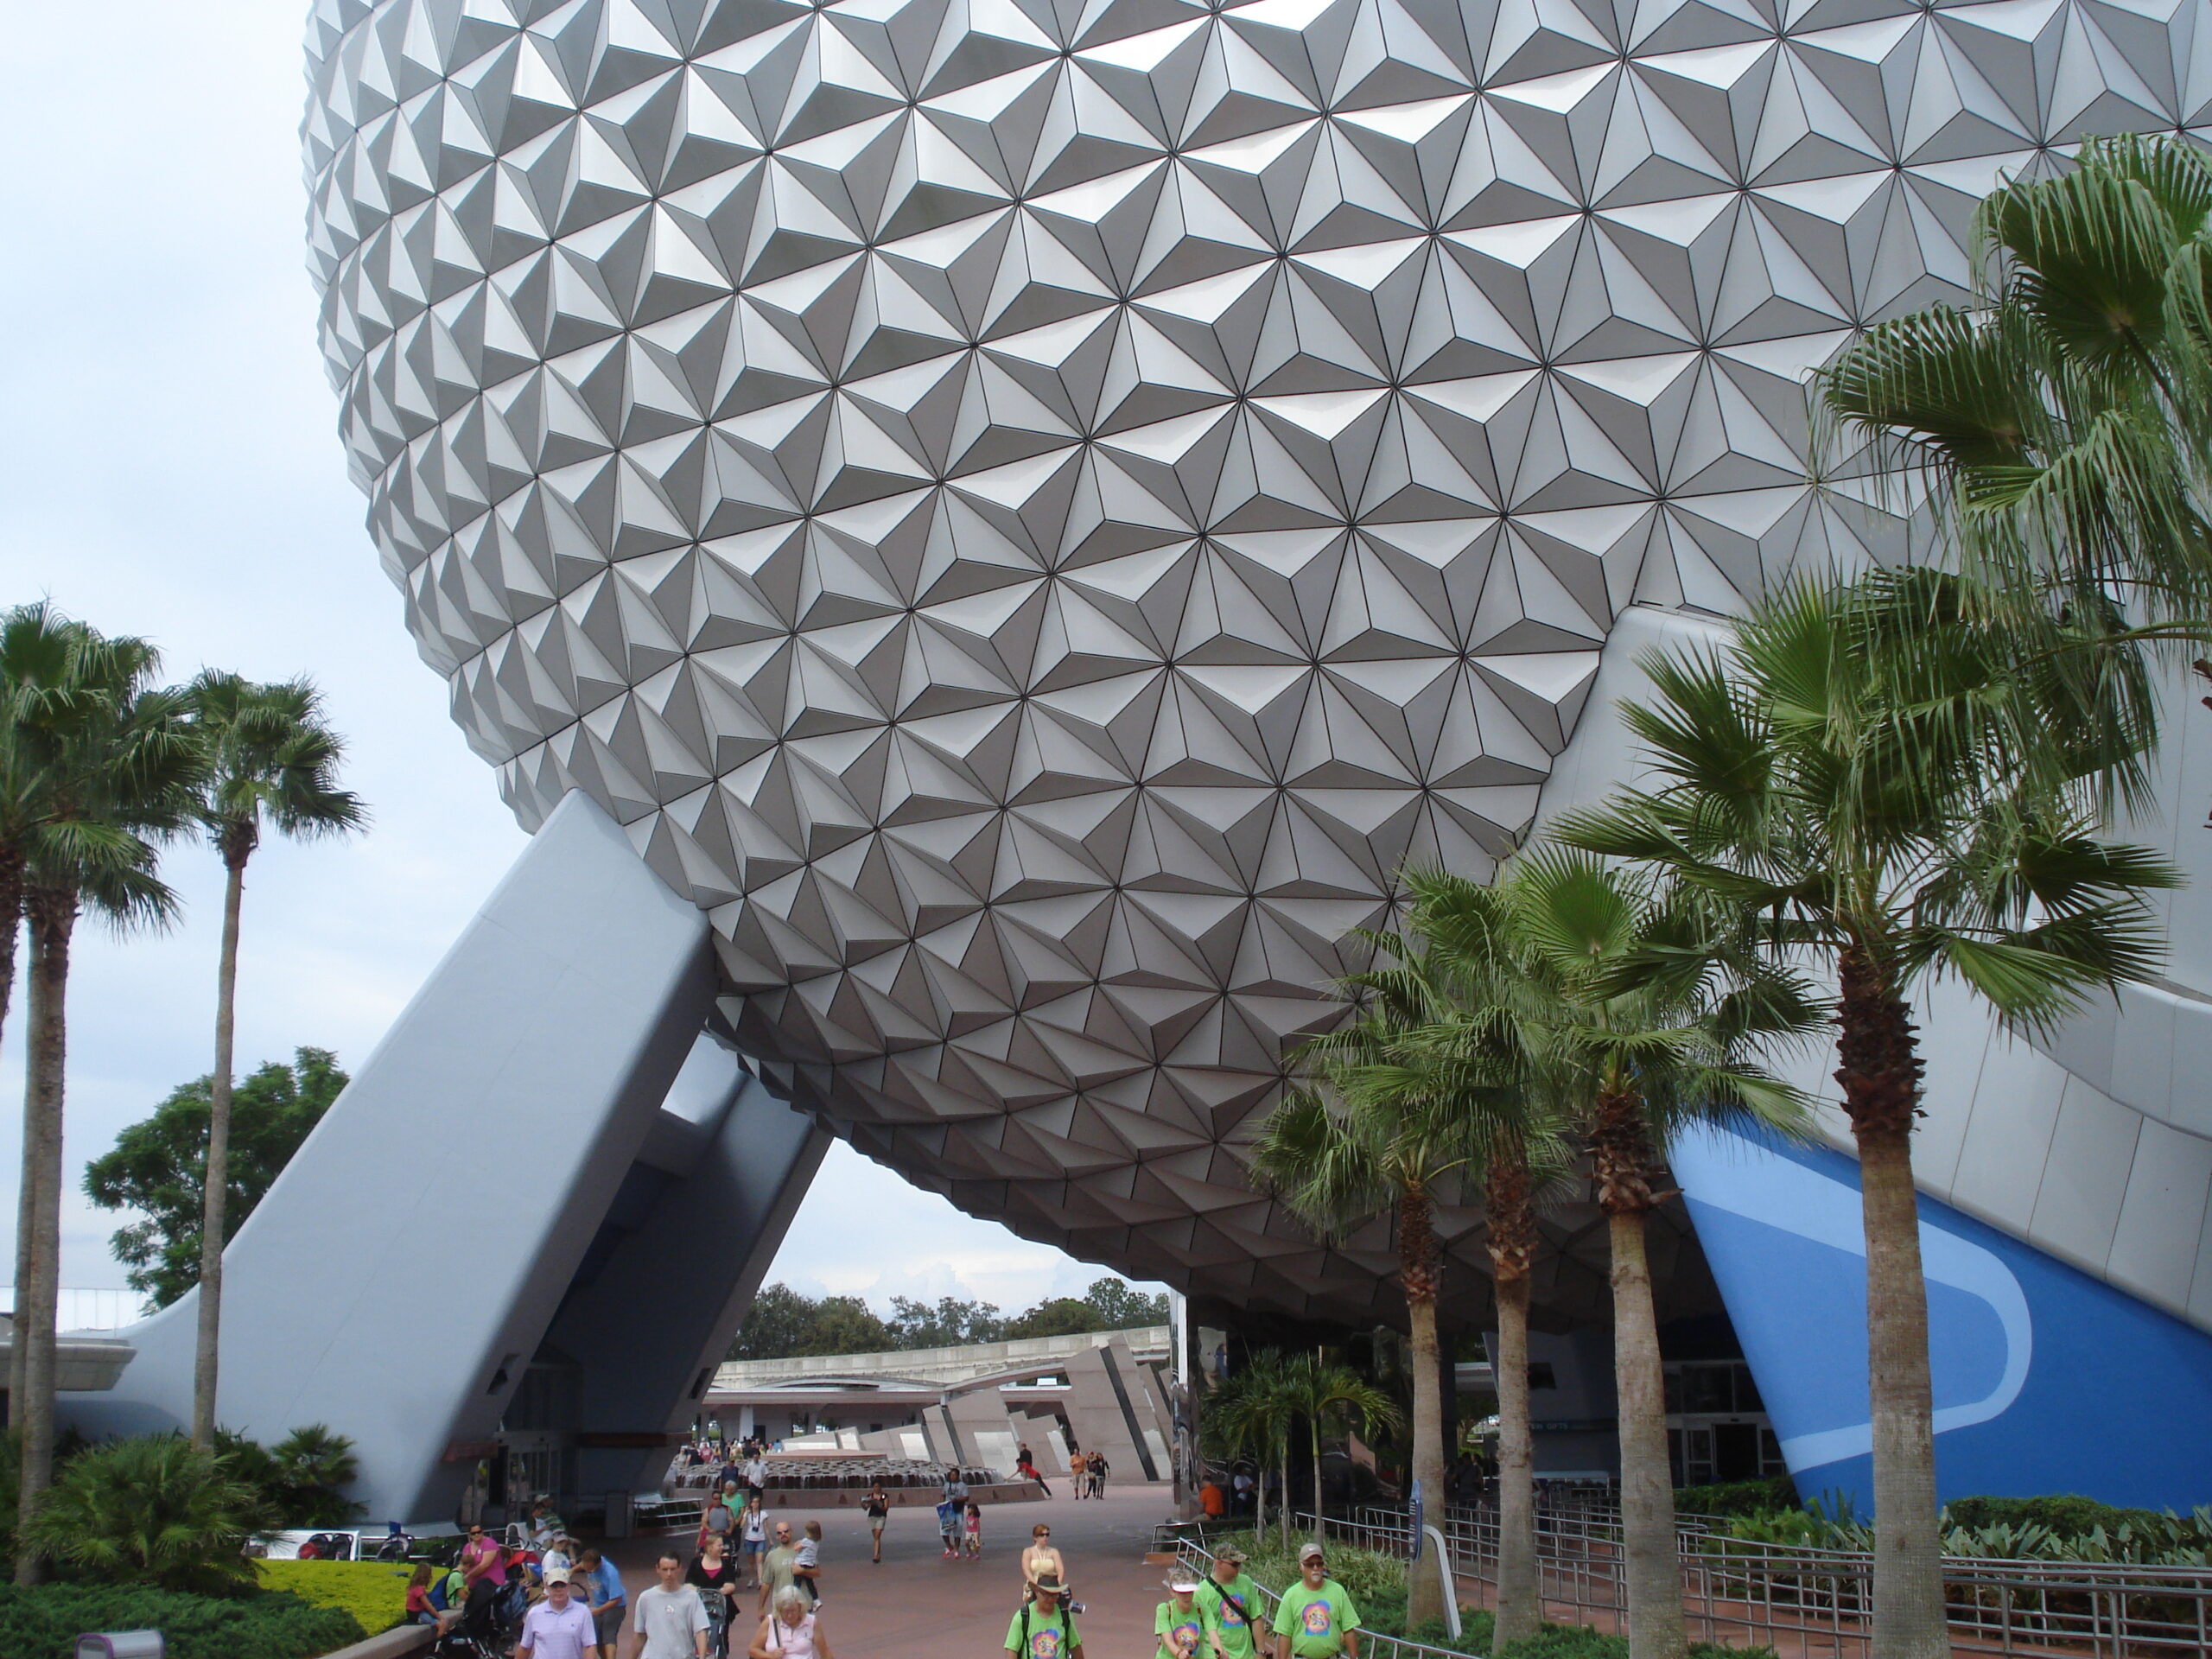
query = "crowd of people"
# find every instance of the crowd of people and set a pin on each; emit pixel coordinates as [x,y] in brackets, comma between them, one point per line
[567,1601]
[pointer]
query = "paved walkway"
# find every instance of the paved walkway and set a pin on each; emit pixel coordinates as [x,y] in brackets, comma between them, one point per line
[919,1606]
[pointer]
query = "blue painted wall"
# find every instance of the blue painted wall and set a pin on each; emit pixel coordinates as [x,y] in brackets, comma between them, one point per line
[2045,1379]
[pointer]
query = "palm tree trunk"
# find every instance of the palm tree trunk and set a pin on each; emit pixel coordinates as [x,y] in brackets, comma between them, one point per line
[11,915]
[1320,1510]
[1880,1075]
[213,1223]
[1512,1243]
[1282,1510]
[1654,1577]
[1418,1271]
[1622,1161]
[52,915]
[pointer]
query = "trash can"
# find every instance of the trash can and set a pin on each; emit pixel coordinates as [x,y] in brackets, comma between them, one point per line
[122,1644]
[619,1521]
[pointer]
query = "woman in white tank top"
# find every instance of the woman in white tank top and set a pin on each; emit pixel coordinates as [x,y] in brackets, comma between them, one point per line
[790,1631]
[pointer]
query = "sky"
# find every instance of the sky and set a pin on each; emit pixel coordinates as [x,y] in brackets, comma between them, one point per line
[169,467]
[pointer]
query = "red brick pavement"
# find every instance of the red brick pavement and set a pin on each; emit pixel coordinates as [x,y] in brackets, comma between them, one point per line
[919,1606]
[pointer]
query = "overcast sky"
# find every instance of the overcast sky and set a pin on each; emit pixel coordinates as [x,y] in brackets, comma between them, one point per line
[169,467]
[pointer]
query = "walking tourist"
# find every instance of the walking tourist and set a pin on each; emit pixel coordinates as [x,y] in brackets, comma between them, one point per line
[753,1539]
[1183,1626]
[756,1474]
[776,1567]
[1078,1470]
[718,1515]
[791,1629]
[1239,1617]
[956,1486]
[1043,1628]
[482,1561]
[1315,1619]
[559,1627]
[1026,1467]
[948,1527]
[714,1576]
[877,1506]
[609,1601]
[972,1525]
[806,1570]
[1096,1465]
[670,1621]
[1040,1559]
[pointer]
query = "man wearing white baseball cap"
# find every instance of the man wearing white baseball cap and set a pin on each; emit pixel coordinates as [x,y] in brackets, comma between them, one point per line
[1183,1626]
[559,1627]
[1315,1619]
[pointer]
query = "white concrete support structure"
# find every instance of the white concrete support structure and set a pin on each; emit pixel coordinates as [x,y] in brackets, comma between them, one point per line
[502,1167]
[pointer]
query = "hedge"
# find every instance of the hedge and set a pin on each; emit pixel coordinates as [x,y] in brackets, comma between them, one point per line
[375,1593]
[45,1621]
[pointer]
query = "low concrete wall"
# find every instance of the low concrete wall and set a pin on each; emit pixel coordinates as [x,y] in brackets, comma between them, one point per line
[393,1644]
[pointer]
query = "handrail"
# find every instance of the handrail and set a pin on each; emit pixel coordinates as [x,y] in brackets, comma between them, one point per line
[1803,1593]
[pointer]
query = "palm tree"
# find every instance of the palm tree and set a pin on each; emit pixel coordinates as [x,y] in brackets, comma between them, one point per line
[1245,1417]
[270,758]
[1386,1121]
[2065,422]
[121,769]
[1464,993]
[1876,811]
[1634,1053]
[1334,1396]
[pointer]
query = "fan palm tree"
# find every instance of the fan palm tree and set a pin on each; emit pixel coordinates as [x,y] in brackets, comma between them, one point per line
[1387,1120]
[1875,812]
[271,760]
[1334,1397]
[121,769]
[1464,996]
[2064,423]
[1639,1020]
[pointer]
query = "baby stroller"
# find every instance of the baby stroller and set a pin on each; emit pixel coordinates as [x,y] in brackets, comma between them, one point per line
[478,1635]
[717,1606]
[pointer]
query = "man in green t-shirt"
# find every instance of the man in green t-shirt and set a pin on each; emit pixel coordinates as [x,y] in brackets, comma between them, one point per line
[1185,1629]
[1044,1629]
[1234,1602]
[1316,1619]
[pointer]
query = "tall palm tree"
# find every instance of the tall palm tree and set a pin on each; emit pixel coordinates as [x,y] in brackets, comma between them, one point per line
[1245,1417]
[1334,1397]
[1464,993]
[2064,423]
[1641,1019]
[1875,811]
[1385,1121]
[271,760]
[121,769]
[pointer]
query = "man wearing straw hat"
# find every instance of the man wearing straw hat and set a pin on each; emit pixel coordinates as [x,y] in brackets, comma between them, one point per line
[1043,1628]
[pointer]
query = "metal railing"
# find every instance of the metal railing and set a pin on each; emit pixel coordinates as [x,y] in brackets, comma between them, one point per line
[1822,1599]
[1373,1644]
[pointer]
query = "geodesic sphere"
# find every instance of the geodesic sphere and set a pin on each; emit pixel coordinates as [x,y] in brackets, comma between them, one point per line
[1031,511]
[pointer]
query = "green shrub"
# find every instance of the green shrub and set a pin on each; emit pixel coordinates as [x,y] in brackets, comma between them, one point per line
[301,1479]
[1737,1498]
[2064,1514]
[1580,1642]
[150,1510]
[375,1593]
[44,1623]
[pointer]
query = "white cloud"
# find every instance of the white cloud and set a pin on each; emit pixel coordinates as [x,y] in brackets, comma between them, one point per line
[168,466]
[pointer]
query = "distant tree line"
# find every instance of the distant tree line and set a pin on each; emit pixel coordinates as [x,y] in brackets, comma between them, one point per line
[785,1323]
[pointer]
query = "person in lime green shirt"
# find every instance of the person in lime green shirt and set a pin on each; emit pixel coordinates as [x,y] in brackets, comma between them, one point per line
[1043,1628]
[1184,1629]
[1239,1614]
[1316,1619]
